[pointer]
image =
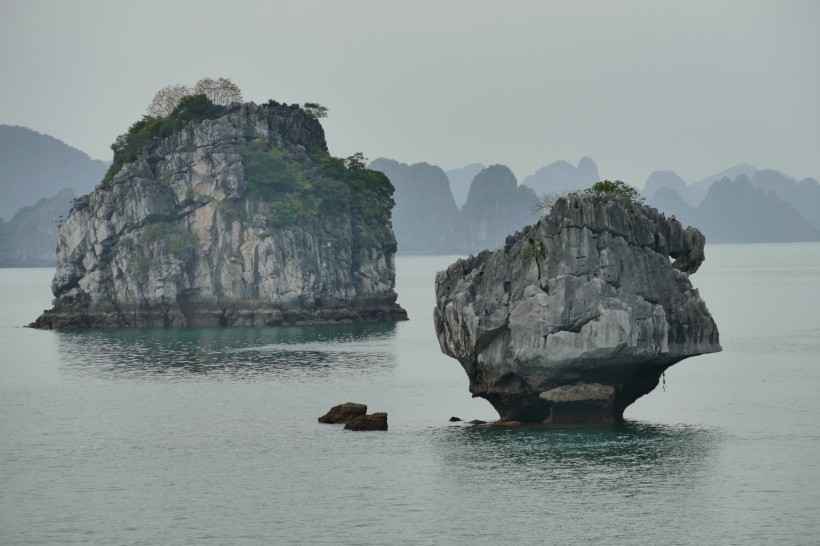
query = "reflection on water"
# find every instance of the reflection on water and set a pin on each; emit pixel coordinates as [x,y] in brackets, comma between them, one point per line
[636,453]
[293,353]
[637,483]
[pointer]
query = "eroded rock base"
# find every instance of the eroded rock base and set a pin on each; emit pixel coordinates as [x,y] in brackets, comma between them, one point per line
[581,404]
[207,315]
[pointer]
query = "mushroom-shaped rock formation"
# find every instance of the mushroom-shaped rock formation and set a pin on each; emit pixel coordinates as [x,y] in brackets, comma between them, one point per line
[577,316]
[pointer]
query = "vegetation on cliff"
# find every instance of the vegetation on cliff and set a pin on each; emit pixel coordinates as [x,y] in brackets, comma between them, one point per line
[617,188]
[295,189]
[34,166]
[150,130]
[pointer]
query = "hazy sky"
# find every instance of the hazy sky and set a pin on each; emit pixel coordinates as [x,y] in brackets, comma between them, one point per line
[691,86]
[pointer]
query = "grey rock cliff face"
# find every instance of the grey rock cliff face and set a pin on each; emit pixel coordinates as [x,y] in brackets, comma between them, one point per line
[176,239]
[588,295]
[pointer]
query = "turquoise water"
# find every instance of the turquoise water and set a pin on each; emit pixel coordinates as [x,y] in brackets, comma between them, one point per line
[209,436]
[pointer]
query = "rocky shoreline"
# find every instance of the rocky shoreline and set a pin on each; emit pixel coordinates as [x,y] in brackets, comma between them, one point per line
[245,313]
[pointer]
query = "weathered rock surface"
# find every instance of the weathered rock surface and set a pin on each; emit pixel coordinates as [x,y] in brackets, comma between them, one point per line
[343,413]
[374,421]
[178,237]
[588,295]
[586,403]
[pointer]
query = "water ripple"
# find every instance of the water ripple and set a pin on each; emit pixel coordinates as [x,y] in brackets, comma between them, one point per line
[635,453]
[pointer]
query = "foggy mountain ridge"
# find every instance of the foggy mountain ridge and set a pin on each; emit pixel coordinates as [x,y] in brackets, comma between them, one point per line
[740,211]
[426,219]
[34,166]
[496,207]
[561,177]
[763,206]
[699,188]
[29,239]
[460,180]
[43,174]
[775,189]
[695,192]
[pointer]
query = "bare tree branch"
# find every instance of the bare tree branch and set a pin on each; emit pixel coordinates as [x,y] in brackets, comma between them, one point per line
[166,99]
[221,91]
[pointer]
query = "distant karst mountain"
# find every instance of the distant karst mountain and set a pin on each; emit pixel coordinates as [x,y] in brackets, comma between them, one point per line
[460,180]
[803,195]
[496,207]
[738,211]
[561,178]
[695,192]
[427,221]
[699,188]
[662,180]
[29,239]
[739,204]
[34,166]
[425,217]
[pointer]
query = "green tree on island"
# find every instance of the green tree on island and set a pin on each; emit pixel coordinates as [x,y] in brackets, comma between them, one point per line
[546,201]
[315,109]
[619,188]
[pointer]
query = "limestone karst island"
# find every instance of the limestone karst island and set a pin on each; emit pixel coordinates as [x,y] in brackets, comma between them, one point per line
[223,213]
[230,214]
[577,316]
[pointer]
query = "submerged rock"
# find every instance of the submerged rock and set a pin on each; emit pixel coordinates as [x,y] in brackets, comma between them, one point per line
[343,413]
[577,316]
[244,219]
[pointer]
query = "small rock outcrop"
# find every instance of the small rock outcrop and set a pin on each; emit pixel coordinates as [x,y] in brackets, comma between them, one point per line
[354,417]
[577,316]
[343,413]
[241,219]
[374,421]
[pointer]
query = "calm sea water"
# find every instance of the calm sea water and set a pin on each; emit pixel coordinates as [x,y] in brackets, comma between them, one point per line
[209,436]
